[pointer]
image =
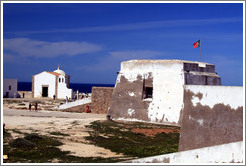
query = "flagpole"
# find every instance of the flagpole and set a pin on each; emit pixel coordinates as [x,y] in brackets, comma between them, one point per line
[200,51]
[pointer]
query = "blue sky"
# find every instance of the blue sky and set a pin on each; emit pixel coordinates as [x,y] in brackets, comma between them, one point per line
[90,40]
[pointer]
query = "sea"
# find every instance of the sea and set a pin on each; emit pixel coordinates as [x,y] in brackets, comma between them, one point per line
[83,88]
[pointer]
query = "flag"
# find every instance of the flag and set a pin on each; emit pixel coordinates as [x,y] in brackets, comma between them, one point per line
[196,44]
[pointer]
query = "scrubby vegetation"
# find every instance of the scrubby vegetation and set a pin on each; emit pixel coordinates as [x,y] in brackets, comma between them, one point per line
[34,148]
[58,134]
[133,140]
[120,138]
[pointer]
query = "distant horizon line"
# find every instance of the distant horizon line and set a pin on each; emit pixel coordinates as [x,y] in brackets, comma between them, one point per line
[75,83]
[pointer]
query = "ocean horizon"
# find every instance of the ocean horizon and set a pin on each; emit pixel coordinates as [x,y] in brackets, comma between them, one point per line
[82,87]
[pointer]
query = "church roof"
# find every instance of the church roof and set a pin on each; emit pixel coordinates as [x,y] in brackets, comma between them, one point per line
[54,73]
[57,72]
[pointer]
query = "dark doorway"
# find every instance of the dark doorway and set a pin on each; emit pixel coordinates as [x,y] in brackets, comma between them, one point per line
[44,91]
[7,95]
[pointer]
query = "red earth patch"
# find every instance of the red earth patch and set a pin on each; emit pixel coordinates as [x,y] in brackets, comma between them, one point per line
[154,131]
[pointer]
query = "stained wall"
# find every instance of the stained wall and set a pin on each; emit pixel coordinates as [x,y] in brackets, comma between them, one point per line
[167,80]
[212,115]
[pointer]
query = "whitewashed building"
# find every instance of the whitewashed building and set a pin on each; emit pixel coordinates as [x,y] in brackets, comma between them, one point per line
[152,90]
[48,84]
[186,94]
[10,88]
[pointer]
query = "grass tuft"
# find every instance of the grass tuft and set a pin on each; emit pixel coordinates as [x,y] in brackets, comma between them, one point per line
[119,138]
[22,144]
[59,133]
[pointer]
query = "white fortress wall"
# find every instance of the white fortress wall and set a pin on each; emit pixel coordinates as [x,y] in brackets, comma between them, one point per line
[167,94]
[225,153]
[168,81]
[211,95]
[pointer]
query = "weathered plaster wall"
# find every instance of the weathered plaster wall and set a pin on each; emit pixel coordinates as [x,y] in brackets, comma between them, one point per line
[167,80]
[100,99]
[226,153]
[126,102]
[212,115]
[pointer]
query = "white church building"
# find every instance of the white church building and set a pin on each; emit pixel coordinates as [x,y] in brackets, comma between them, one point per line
[48,84]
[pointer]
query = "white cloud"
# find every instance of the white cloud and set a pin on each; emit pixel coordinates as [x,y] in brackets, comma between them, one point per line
[8,58]
[128,55]
[42,49]
[222,61]
[142,25]
[113,60]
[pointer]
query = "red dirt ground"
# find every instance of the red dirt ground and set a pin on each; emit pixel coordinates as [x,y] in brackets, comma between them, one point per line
[154,131]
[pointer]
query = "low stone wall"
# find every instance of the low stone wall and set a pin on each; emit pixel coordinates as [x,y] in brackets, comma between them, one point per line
[80,108]
[226,153]
[212,115]
[100,99]
[27,94]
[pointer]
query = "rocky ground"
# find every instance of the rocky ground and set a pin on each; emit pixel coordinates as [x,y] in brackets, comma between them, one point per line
[48,104]
[68,127]
[20,103]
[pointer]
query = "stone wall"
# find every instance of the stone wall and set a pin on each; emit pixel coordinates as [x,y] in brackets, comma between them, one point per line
[80,108]
[199,74]
[212,115]
[100,99]
[27,94]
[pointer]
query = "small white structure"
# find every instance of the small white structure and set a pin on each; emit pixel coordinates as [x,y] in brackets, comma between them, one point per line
[10,88]
[48,84]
